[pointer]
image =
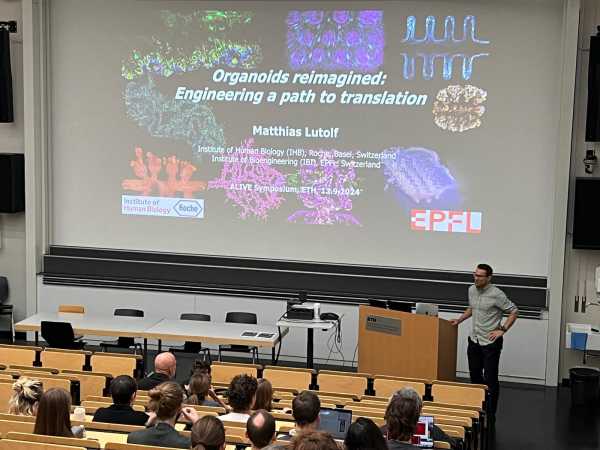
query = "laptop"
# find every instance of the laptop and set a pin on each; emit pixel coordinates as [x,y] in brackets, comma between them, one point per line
[335,421]
[422,436]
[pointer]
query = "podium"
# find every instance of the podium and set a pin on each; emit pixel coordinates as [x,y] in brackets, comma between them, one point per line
[406,345]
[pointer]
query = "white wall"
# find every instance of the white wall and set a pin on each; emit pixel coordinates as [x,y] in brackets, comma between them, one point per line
[12,226]
[580,264]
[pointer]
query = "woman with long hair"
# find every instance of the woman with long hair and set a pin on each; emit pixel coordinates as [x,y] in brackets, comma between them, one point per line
[198,390]
[208,433]
[54,415]
[264,395]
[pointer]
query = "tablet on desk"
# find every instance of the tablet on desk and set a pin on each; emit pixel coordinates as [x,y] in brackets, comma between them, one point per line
[266,335]
[335,421]
[249,334]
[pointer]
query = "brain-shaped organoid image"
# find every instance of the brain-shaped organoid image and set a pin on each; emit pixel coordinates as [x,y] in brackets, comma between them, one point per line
[459,108]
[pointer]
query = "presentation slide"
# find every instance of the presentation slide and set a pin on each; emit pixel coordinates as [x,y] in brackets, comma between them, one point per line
[404,134]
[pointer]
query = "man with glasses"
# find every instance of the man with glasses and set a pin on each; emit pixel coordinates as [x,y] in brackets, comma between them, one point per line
[487,305]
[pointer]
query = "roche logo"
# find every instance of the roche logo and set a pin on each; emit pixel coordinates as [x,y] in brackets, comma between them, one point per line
[189,208]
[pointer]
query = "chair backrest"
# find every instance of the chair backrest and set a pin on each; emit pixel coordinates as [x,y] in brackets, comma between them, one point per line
[195,316]
[19,354]
[299,379]
[90,383]
[9,444]
[41,370]
[129,312]
[65,359]
[241,317]
[120,446]
[114,363]
[351,383]
[92,405]
[75,442]
[17,418]
[385,387]
[55,381]
[58,334]
[15,425]
[6,392]
[78,309]
[460,395]
[224,372]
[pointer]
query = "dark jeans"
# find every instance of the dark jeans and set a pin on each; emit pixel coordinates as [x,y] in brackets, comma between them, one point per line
[483,367]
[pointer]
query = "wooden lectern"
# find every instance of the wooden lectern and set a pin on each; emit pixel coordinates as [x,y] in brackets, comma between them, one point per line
[406,345]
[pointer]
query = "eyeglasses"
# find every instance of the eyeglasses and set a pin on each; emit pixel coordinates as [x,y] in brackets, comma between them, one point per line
[476,275]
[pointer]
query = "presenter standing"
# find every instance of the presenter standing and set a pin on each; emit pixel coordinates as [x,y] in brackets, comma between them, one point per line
[487,304]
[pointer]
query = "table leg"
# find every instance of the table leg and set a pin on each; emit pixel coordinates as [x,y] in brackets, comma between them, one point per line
[145,356]
[159,345]
[309,347]
[37,339]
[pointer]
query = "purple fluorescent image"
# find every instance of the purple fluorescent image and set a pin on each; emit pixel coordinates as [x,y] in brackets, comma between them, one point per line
[328,202]
[258,176]
[419,174]
[335,40]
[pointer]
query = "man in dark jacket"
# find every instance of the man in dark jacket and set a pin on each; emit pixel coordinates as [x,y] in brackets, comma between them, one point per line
[123,390]
[165,367]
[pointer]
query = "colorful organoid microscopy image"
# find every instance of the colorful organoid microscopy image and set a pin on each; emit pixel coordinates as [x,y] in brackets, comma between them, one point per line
[166,60]
[251,186]
[449,35]
[459,108]
[212,20]
[418,173]
[328,199]
[176,180]
[449,62]
[335,40]
[165,117]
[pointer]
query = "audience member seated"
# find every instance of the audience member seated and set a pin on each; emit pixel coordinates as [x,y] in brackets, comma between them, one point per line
[305,409]
[203,367]
[165,405]
[198,390]
[313,440]
[53,416]
[25,398]
[123,391]
[364,434]
[208,433]
[264,395]
[242,390]
[401,417]
[437,434]
[260,429]
[165,366]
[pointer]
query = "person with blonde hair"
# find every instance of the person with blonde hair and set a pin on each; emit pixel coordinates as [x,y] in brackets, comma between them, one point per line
[26,396]
[165,406]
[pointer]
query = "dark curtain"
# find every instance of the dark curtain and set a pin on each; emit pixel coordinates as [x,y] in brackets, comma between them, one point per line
[592,128]
[6,93]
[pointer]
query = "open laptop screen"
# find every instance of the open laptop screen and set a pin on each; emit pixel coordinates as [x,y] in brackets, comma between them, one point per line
[422,436]
[335,421]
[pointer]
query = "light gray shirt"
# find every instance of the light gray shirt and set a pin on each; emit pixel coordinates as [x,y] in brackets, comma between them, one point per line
[487,305]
